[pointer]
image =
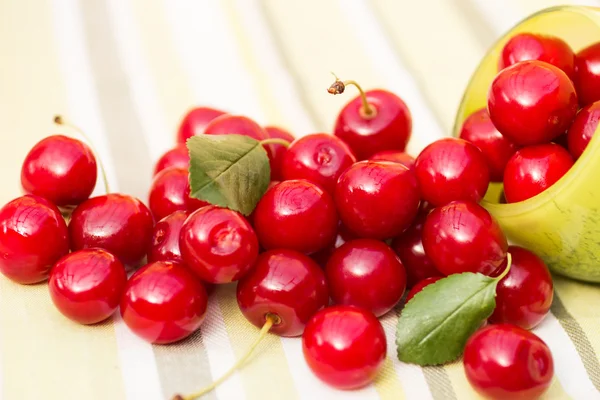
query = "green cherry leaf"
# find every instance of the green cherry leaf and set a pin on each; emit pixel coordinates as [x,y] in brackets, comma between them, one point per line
[228,170]
[435,324]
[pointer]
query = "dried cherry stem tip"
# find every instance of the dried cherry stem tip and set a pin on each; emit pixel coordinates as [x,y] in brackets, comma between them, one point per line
[270,320]
[367,111]
[59,120]
[282,142]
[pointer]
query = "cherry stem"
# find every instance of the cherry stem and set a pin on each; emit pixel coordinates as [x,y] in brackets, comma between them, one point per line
[507,269]
[270,320]
[59,120]
[367,111]
[282,142]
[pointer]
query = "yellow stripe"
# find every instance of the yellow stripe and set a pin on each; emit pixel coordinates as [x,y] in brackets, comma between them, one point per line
[387,384]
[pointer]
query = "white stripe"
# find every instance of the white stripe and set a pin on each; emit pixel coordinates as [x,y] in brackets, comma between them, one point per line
[568,366]
[136,359]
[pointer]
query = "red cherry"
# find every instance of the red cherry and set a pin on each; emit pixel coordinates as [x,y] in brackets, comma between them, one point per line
[296,215]
[319,158]
[534,169]
[33,236]
[532,102]
[464,237]
[277,151]
[420,286]
[118,223]
[533,46]
[409,247]
[374,121]
[164,245]
[452,169]
[60,169]
[377,199]
[587,74]
[344,346]
[163,303]
[86,285]
[366,273]
[524,295]
[496,148]
[170,192]
[228,124]
[195,121]
[286,284]
[583,128]
[508,362]
[176,157]
[218,244]
[394,156]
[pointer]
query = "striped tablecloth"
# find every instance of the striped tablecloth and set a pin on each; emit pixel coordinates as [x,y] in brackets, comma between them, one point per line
[127,70]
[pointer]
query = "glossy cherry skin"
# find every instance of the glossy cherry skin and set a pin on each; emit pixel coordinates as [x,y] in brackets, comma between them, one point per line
[118,223]
[388,129]
[178,157]
[377,199]
[495,147]
[86,286]
[508,362]
[532,102]
[534,169]
[344,346]
[394,156]
[409,247]
[164,245]
[524,295]
[421,285]
[195,121]
[583,128]
[33,236]
[319,158]
[464,237]
[284,283]
[170,192]
[533,46]
[452,169]
[366,273]
[163,303]
[218,244]
[237,124]
[277,151]
[587,74]
[296,215]
[60,169]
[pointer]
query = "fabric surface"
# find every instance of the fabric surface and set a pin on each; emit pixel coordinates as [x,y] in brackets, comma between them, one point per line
[127,70]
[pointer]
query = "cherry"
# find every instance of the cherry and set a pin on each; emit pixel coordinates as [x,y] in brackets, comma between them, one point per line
[296,215]
[377,199]
[218,244]
[583,128]
[394,156]
[319,158]
[118,223]
[344,346]
[277,151]
[463,237]
[60,169]
[285,284]
[421,285]
[170,192]
[33,236]
[534,46]
[496,148]
[163,303]
[178,157]
[508,362]
[228,124]
[366,273]
[195,121]
[374,121]
[524,295]
[532,102]
[86,286]
[164,245]
[587,74]
[534,169]
[452,169]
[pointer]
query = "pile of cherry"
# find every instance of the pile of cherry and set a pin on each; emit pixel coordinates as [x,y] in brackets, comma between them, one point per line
[347,225]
